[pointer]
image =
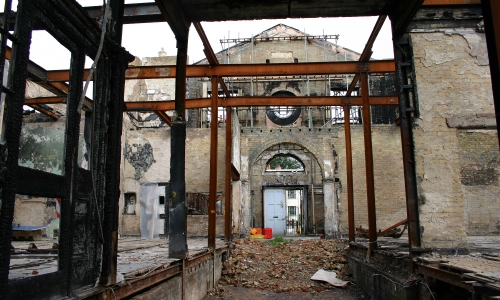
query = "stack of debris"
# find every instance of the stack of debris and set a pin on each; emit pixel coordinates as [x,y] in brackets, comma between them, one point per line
[283,265]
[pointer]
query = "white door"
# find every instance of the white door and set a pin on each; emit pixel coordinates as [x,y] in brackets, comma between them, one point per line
[274,210]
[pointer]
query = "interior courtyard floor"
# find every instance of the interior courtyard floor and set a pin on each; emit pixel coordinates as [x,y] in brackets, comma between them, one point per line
[138,258]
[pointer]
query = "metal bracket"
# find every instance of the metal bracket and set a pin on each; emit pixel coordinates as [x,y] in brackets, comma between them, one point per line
[346,100]
[362,67]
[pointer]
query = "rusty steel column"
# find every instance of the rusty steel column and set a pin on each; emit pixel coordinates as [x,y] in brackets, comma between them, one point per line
[407,107]
[491,11]
[370,185]
[177,237]
[348,157]
[214,126]
[228,199]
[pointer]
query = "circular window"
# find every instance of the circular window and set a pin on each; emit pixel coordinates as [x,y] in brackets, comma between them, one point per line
[283,115]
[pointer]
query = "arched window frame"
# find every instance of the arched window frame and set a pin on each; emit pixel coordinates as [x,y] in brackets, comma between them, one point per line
[300,170]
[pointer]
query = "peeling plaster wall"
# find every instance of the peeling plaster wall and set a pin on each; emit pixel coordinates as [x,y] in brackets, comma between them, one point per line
[453,79]
[147,159]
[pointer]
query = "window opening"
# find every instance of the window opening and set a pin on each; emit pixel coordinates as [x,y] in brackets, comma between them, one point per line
[287,163]
[130,201]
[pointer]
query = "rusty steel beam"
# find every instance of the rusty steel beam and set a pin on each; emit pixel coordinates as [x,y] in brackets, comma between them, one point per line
[246,70]
[209,53]
[491,11]
[54,100]
[45,111]
[235,175]
[350,185]
[367,51]
[239,70]
[45,100]
[365,56]
[212,196]
[228,198]
[134,286]
[370,178]
[262,101]
[166,118]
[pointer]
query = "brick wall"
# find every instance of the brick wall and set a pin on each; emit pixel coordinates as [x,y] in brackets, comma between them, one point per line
[452,75]
[389,177]
[479,173]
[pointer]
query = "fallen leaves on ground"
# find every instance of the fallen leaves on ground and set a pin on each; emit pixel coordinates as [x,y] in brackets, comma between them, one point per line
[284,267]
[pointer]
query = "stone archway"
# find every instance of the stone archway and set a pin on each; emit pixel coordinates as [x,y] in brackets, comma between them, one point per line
[309,181]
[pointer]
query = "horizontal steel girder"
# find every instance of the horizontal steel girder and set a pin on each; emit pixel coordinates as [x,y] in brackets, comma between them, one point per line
[240,70]
[261,101]
[244,101]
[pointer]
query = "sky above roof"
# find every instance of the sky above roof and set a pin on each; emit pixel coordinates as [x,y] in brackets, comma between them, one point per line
[146,40]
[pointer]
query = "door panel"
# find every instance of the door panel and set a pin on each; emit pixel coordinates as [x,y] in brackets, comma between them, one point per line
[274,210]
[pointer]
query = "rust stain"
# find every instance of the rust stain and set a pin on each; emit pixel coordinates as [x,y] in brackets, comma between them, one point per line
[134,72]
[163,71]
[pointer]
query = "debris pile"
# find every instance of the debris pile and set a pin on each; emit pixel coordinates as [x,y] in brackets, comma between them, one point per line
[283,265]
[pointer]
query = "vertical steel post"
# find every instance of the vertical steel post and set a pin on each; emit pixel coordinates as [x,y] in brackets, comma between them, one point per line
[403,56]
[350,185]
[228,199]
[213,164]
[370,186]
[178,215]
[491,11]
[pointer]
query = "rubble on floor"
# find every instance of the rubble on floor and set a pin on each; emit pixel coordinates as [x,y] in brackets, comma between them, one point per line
[282,265]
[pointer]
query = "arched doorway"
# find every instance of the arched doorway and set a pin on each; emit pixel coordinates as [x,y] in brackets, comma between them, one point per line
[290,200]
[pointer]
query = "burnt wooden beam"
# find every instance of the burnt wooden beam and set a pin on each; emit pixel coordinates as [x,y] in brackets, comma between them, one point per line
[178,213]
[404,14]
[39,76]
[450,2]
[172,12]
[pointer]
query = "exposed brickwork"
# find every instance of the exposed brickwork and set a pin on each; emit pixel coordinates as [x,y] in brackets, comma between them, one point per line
[479,171]
[452,74]
[389,180]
